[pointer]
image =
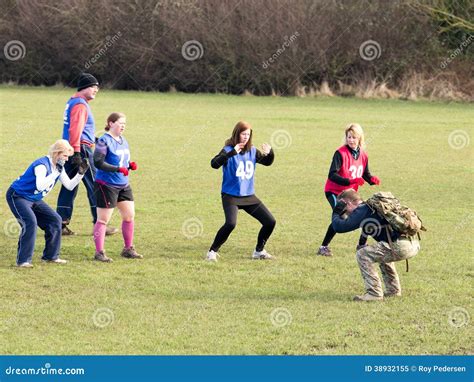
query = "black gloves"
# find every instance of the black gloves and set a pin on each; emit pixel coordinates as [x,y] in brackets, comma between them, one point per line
[340,207]
[83,167]
[81,164]
[76,159]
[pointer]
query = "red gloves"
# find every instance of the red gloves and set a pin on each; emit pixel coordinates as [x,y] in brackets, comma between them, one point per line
[358,181]
[375,180]
[123,170]
[131,166]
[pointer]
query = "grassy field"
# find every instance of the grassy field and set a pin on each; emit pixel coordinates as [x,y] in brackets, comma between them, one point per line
[173,302]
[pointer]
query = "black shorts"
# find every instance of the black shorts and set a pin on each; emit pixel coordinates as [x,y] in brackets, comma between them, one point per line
[239,201]
[108,196]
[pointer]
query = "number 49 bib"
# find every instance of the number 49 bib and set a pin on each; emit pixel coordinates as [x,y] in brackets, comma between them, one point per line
[238,173]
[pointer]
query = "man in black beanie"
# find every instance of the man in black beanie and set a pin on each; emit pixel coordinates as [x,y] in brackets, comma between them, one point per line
[79,130]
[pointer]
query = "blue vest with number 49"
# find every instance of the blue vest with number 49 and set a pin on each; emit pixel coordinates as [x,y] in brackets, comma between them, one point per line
[238,173]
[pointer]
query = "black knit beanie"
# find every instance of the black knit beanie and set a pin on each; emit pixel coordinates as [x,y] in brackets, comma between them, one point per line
[86,80]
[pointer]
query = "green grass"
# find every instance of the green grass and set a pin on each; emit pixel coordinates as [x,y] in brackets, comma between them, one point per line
[173,302]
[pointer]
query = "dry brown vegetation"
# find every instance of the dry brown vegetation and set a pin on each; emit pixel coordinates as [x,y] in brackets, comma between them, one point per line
[279,47]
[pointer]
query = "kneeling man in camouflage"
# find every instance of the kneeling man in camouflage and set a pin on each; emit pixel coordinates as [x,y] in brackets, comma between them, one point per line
[350,214]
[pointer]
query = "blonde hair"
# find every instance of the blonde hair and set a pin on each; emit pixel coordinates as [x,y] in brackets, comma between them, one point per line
[357,131]
[59,147]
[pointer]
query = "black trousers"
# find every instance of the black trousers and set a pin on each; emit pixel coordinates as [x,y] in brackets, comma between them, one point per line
[258,211]
[66,198]
[330,233]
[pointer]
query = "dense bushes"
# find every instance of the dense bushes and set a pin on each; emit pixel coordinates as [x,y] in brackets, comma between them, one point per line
[263,47]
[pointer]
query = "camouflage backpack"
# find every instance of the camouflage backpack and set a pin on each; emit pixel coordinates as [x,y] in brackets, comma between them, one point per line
[401,218]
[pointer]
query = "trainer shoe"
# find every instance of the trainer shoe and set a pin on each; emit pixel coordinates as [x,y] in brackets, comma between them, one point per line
[324,250]
[101,256]
[130,253]
[25,265]
[67,232]
[261,255]
[368,297]
[109,231]
[212,256]
[397,294]
[56,261]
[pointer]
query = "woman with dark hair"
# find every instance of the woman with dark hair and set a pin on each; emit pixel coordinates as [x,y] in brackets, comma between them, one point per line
[238,159]
[112,189]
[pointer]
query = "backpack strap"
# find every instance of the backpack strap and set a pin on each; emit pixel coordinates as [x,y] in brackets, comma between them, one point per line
[390,243]
[389,238]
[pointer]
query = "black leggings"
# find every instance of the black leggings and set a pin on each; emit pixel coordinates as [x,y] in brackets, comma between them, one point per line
[330,233]
[258,211]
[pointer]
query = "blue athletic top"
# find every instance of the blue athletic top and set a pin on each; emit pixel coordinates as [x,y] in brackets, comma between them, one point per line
[238,173]
[117,153]
[25,185]
[89,128]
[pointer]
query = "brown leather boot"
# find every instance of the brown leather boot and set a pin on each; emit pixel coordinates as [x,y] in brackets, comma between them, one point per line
[65,231]
[101,256]
[368,297]
[130,253]
[397,294]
